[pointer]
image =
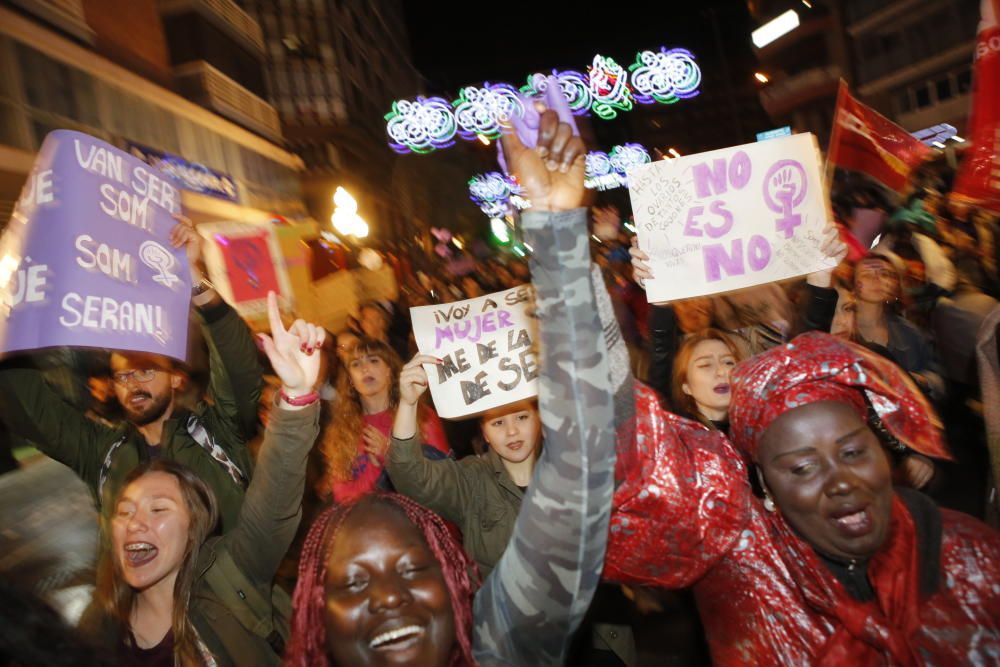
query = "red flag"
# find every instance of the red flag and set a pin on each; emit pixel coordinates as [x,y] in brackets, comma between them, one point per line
[866,141]
[978,180]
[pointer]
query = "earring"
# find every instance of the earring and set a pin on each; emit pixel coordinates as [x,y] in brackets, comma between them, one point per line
[769,504]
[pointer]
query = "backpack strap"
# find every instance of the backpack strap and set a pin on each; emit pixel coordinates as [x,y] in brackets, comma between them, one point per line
[102,477]
[254,612]
[200,434]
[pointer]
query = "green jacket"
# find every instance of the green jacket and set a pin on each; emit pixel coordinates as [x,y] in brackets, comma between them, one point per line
[476,493]
[102,456]
[234,572]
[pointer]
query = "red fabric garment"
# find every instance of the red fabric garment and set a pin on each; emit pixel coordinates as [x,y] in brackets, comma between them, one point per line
[365,475]
[684,516]
[817,366]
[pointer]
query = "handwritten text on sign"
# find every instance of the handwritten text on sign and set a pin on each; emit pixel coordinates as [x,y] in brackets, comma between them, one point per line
[730,218]
[487,348]
[86,259]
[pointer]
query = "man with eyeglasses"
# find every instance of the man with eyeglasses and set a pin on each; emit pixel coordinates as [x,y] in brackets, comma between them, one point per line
[210,439]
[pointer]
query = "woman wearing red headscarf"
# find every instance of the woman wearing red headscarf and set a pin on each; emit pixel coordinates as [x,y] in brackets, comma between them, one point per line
[832,566]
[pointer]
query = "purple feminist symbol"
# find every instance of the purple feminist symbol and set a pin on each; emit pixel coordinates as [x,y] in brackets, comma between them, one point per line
[785,188]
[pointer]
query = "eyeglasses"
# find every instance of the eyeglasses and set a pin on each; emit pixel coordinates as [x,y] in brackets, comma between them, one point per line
[141,375]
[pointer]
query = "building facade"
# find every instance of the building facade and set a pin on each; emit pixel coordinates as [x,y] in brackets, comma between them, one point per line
[333,68]
[909,59]
[174,79]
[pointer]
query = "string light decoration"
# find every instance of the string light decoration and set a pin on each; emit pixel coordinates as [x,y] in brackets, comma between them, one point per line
[607,171]
[421,126]
[479,111]
[609,88]
[496,194]
[427,124]
[665,76]
[574,86]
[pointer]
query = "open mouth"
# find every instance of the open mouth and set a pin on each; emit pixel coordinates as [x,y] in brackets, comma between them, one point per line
[853,522]
[397,639]
[721,389]
[138,399]
[515,446]
[138,554]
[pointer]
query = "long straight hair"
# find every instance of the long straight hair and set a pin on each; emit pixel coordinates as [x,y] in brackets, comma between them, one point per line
[682,401]
[117,598]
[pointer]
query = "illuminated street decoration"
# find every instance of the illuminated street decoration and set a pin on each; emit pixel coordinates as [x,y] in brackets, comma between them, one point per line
[345,216]
[574,85]
[479,111]
[606,171]
[665,76]
[627,156]
[420,126]
[427,124]
[609,88]
[496,194]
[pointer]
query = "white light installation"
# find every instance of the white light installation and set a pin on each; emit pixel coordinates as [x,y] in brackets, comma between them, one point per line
[479,111]
[775,28]
[665,76]
[496,194]
[345,216]
[428,124]
[609,88]
[606,171]
[420,126]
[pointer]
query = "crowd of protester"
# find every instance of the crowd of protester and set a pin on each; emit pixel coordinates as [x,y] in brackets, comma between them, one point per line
[784,463]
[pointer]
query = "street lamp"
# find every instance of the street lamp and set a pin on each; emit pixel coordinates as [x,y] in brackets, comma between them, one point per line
[775,28]
[673,151]
[345,218]
[760,76]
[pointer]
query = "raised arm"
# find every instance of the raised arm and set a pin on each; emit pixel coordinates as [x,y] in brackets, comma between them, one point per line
[235,375]
[33,410]
[531,604]
[438,484]
[272,508]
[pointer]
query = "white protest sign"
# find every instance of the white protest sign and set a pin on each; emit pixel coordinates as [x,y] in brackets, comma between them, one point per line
[731,218]
[487,348]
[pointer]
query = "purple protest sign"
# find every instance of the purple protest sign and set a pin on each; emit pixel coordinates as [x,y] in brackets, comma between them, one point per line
[86,259]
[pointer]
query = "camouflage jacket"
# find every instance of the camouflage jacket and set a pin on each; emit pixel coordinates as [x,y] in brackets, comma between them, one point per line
[531,604]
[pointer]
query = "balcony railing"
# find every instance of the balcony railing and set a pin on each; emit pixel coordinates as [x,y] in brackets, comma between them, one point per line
[783,95]
[207,86]
[225,15]
[67,15]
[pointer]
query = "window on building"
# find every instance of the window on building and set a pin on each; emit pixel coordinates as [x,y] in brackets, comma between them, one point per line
[943,89]
[964,81]
[922,96]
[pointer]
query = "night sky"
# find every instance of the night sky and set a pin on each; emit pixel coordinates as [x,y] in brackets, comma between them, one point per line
[477,41]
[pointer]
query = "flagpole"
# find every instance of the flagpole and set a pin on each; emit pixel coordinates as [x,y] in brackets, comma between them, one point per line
[831,164]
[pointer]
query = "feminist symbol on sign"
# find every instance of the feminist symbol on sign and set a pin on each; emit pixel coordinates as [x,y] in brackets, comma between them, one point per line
[160,260]
[247,256]
[785,182]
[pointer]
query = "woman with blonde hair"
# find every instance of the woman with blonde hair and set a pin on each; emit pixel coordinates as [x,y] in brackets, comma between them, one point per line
[355,439]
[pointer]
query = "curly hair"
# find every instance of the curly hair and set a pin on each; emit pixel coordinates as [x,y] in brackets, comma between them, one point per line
[307,645]
[340,441]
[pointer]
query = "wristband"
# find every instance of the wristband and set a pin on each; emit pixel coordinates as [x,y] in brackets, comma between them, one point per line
[300,401]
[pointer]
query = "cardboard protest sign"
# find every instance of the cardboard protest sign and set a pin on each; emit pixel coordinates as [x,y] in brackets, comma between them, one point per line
[86,259]
[731,218]
[244,263]
[487,345]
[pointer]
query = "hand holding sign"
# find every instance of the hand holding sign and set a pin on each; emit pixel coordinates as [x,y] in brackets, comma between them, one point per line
[413,378]
[292,351]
